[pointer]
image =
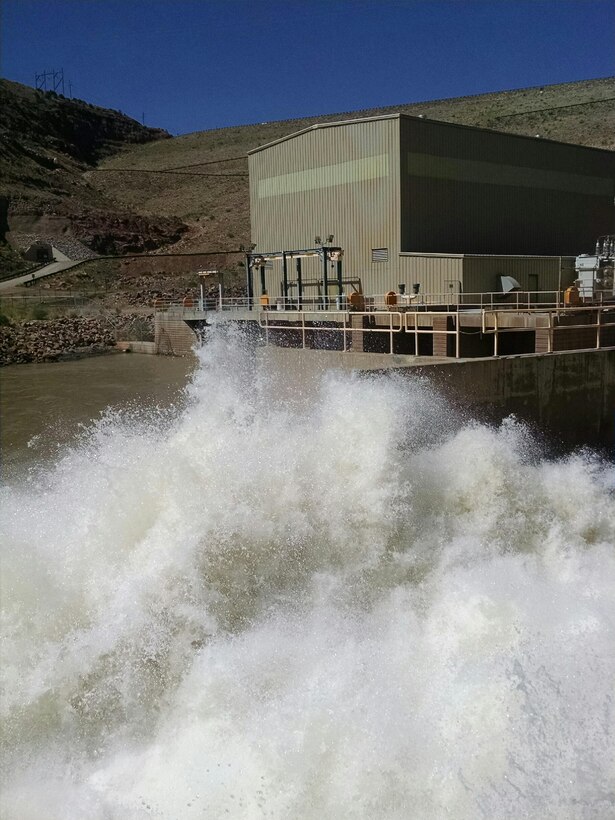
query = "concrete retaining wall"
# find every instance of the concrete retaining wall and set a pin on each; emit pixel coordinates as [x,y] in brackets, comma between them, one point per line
[137,347]
[568,396]
[173,336]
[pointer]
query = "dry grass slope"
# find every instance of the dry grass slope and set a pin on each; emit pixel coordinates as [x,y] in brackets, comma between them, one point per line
[216,208]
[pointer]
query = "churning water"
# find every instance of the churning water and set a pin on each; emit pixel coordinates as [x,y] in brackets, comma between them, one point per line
[339,604]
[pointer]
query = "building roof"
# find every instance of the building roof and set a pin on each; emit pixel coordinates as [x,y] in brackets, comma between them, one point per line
[421,118]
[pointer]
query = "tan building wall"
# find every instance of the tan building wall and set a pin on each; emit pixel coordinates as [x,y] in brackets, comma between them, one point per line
[328,180]
[435,273]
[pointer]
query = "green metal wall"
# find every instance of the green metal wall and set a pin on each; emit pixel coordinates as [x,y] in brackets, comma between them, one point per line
[550,273]
[468,190]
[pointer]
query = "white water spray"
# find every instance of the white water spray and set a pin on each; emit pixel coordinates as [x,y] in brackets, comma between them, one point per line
[339,604]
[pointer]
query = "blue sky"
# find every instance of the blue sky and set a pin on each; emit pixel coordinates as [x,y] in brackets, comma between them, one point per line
[190,65]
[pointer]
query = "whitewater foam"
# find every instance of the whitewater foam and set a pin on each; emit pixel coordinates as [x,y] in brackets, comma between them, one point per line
[342,603]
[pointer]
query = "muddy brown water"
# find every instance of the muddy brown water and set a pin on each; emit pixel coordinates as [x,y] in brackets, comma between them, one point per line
[44,407]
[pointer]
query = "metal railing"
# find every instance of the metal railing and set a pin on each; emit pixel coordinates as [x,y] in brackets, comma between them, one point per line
[345,325]
[452,302]
[430,315]
[420,323]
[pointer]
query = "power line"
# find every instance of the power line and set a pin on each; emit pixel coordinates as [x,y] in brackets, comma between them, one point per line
[176,169]
[162,171]
[208,162]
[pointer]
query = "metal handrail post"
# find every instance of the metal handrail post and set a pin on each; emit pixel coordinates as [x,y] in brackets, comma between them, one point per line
[457,337]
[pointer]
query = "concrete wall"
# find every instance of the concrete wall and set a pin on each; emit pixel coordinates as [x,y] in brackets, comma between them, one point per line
[569,397]
[173,336]
[137,347]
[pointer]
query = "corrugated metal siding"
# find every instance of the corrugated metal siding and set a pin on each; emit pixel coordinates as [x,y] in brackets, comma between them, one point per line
[339,188]
[481,273]
[435,274]
[465,196]
[353,181]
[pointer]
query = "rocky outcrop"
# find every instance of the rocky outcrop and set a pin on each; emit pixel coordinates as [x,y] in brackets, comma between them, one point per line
[47,143]
[35,120]
[124,233]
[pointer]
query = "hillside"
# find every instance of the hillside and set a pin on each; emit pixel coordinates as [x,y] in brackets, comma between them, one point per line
[74,170]
[217,209]
[47,143]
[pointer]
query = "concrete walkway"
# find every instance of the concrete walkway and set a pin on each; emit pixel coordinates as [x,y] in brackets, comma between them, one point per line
[60,263]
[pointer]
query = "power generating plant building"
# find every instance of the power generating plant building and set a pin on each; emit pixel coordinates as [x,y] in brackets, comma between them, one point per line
[413,201]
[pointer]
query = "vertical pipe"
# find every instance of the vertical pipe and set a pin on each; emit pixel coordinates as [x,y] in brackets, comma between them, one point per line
[325,281]
[300,286]
[285,277]
[263,282]
[249,283]
[340,284]
[457,337]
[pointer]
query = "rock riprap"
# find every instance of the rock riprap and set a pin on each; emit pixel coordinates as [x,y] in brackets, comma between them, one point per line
[46,341]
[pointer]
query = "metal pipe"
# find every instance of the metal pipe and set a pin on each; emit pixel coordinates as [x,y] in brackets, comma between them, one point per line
[249,283]
[457,337]
[325,280]
[300,285]
[285,278]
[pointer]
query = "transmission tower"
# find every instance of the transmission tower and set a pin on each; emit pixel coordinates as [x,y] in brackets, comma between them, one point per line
[50,80]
